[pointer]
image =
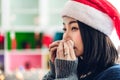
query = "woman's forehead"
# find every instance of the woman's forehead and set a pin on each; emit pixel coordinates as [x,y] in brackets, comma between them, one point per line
[67,19]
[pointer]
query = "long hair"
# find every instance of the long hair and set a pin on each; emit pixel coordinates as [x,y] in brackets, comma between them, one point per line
[99,51]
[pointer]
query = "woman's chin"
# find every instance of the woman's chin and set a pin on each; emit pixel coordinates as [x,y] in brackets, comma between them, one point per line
[78,54]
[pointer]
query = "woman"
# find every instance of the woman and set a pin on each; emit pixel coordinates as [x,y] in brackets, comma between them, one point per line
[86,51]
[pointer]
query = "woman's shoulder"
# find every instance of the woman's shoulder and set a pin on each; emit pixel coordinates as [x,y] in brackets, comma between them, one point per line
[113,68]
[112,73]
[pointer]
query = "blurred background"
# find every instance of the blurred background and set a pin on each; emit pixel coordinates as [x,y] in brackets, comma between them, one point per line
[27,27]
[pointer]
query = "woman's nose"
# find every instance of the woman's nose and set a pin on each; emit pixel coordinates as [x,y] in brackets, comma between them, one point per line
[66,36]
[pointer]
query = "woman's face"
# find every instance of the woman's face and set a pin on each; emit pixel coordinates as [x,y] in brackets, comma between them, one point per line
[72,32]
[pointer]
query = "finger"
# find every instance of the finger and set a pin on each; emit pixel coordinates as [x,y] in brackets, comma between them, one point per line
[60,51]
[53,50]
[66,51]
[53,53]
[72,52]
[54,44]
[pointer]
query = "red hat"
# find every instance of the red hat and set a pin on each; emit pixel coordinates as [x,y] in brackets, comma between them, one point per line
[99,14]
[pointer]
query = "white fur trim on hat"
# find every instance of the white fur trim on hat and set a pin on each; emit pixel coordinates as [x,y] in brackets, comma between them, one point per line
[89,15]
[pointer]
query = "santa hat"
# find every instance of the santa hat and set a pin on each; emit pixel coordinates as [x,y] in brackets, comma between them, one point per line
[99,14]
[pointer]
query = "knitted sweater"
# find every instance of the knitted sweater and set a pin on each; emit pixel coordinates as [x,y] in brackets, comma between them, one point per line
[66,70]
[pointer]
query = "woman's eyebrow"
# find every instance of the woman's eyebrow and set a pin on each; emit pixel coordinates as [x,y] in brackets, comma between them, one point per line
[70,22]
[63,23]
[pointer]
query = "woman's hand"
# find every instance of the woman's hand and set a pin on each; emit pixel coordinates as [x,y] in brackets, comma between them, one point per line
[53,49]
[66,62]
[65,50]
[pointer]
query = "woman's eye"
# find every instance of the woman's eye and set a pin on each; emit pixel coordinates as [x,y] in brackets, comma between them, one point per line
[64,29]
[74,28]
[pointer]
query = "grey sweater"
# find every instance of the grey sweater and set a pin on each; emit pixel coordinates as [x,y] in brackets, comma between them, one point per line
[63,70]
[66,70]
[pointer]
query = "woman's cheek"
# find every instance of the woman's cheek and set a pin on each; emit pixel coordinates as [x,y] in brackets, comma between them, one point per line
[77,38]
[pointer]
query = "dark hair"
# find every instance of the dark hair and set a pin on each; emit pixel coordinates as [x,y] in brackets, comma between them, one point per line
[99,51]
